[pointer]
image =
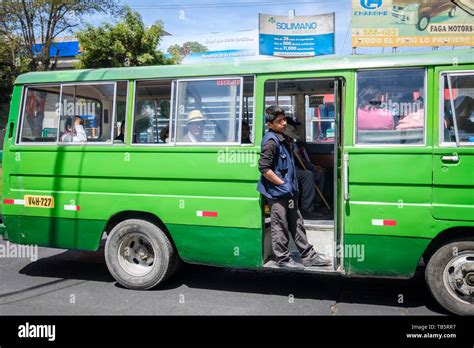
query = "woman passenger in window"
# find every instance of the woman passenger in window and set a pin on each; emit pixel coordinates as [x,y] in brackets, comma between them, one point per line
[371,115]
[74,134]
[415,119]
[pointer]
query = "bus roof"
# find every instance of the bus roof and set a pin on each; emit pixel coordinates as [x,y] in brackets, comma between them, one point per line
[391,60]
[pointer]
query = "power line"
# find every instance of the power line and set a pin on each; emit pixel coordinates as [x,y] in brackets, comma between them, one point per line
[221,5]
[345,38]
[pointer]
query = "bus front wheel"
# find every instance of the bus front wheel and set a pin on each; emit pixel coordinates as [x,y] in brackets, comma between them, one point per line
[450,277]
[139,255]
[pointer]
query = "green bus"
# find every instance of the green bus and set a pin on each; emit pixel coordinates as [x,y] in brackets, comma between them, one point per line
[110,154]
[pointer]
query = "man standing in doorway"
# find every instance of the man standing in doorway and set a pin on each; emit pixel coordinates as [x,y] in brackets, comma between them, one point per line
[279,185]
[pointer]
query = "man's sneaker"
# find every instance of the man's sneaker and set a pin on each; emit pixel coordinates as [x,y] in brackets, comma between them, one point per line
[319,260]
[291,264]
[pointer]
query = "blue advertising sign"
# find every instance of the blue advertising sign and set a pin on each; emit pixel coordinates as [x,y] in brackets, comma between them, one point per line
[297,36]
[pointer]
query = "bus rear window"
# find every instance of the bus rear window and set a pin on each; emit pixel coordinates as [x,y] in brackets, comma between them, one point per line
[69,113]
[40,114]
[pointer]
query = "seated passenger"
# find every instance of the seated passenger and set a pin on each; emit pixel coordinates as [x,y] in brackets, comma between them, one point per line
[74,134]
[245,133]
[164,134]
[465,114]
[121,136]
[371,115]
[195,126]
[413,120]
[305,174]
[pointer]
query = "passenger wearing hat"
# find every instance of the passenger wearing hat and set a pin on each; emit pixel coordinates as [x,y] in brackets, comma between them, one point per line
[195,126]
[279,185]
[305,177]
[308,175]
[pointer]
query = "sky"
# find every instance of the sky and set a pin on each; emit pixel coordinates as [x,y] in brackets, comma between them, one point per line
[190,17]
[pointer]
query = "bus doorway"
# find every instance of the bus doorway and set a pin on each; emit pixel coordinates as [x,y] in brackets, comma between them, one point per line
[313,110]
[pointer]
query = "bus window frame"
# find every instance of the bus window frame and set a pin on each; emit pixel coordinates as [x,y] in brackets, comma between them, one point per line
[86,98]
[21,118]
[114,101]
[426,105]
[57,142]
[135,91]
[173,108]
[126,115]
[252,135]
[241,100]
[441,142]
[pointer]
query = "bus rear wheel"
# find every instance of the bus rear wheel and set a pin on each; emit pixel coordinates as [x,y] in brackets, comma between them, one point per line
[450,277]
[139,255]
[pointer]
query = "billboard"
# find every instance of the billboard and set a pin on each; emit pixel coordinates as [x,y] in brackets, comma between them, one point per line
[217,47]
[398,23]
[296,36]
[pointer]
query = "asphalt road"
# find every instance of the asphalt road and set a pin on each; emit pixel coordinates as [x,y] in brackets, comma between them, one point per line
[64,282]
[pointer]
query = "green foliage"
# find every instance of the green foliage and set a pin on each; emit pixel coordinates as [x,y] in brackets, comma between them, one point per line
[128,43]
[13,62]
[179,52]
[31,22]
[25,23]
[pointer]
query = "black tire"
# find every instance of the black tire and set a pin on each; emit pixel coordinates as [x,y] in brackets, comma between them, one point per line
[435,272]
[125,266]
[452,12]
[423,22]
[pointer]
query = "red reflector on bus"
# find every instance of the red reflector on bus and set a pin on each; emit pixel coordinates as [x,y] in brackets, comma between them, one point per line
[72,207]
[379,222]
[206,213]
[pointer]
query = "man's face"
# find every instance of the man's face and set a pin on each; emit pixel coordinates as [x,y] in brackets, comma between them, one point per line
[196,128]
[279,124]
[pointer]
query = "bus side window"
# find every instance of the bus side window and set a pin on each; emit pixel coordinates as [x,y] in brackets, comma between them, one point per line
[152,110]
[461,96]
[40,116]
[88,107]
[390,106]
[120,113]
[209,111]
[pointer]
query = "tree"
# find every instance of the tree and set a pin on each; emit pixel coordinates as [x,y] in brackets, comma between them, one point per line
[37,23]
[179,52]
[13,62]
[128,43]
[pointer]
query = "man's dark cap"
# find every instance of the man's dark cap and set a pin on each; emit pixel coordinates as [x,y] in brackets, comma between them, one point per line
[292,122]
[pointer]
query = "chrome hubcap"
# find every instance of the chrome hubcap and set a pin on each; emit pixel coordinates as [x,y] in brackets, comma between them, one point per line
[458,277]
[136,254]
